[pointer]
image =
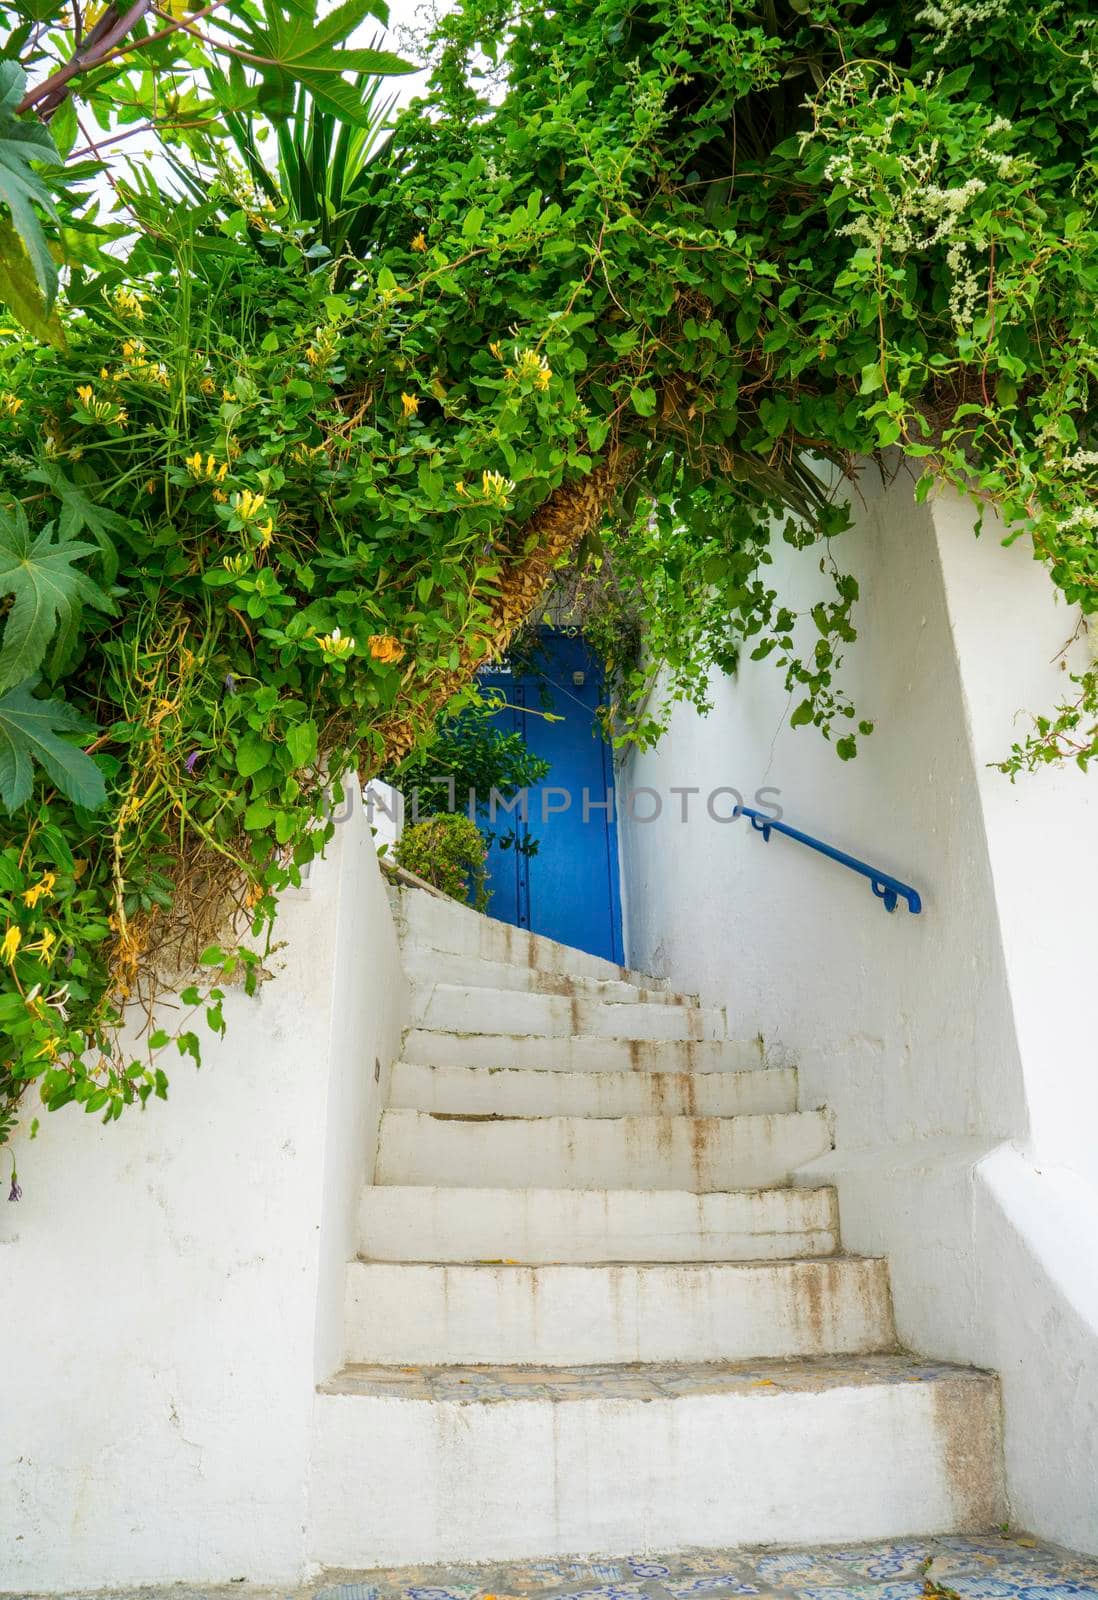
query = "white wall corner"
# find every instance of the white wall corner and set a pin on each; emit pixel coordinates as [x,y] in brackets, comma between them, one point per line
[956,1049]
[168,1279]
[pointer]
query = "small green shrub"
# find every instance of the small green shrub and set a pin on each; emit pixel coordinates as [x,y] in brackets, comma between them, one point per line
[447,851]
[467,761]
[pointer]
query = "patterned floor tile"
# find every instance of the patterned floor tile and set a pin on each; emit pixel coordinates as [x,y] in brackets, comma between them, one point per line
[983,1567]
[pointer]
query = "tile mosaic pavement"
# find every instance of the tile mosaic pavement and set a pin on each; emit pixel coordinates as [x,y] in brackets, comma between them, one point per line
[475,1384]
[983,1567]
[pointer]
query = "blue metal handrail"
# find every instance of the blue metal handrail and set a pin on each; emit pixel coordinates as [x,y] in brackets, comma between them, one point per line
[886,888]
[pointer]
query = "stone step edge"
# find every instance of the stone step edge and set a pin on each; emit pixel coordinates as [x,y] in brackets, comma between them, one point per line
[489,1118]
[770,1264]
[739,1082]
[760,1379]
[602,1190]
[666,999]
[558,984]
[588,1038]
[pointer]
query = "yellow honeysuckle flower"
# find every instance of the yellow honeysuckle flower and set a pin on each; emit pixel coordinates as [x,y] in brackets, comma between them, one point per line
[85,393]
[383,647]
[10,946]
[10,404]
[266,533]
[335,646]
[531,366]
[221,497]
[207,385]
[194,463]
[409,404]
[247,505]
[496,351]
[44,946]
[494,486]
[44,886]
[420,241]
[227,394]
[129,303]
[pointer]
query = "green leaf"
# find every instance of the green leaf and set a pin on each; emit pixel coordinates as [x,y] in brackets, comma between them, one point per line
[30,732]
[48,592]
[644,400]
[20,292]
[301,742]
[79,513]
[298,46]
[252,755]
[21,187]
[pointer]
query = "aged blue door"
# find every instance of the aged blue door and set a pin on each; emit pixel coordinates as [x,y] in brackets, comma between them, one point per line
[568,889]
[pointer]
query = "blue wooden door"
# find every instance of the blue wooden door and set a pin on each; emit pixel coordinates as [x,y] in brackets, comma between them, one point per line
[569,889]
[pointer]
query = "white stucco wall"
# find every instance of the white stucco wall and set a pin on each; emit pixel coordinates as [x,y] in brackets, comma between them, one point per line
[173,1284]
[953,1047]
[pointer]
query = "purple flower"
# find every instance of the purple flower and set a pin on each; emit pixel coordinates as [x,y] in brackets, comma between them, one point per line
[15,1192]
[230,683]
[191,759]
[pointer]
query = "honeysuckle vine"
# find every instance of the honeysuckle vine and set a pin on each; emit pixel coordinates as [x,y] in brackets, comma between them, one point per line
[630,291]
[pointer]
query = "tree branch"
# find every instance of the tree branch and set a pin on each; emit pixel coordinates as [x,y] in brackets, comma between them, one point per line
[571,512]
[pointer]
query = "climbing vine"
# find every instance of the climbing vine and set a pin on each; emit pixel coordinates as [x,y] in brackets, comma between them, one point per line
[633,288]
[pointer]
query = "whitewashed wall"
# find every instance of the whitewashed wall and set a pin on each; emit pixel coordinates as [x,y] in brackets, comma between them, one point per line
[955,1048]
[173,1284]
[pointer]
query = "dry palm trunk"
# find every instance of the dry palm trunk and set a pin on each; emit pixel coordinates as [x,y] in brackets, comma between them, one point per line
[571,512]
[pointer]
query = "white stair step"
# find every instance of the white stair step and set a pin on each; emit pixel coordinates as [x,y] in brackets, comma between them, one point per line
[523,1092]
[580,1054]
[694,1153]
[594,1225]
[556,1315]
[484,1465]
[426,967]
[454,1009]
[426,919]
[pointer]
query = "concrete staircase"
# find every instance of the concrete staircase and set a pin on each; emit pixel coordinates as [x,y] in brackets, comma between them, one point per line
[591,1312]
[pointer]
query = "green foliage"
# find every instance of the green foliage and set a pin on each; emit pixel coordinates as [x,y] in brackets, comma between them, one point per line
[447,851]
[22,188]
[31,732]
[323,177]
[708,255]
[465,762]
[47,593]
[190,79]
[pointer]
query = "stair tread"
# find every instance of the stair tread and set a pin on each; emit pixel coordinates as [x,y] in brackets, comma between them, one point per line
[488,1118]
[807,1264]
[782,1192]
[475,1384]
[583,1052]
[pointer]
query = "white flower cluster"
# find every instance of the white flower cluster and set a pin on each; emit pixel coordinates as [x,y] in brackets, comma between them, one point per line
[952,17]
[1081,517]
[1080,460]
[912,210]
